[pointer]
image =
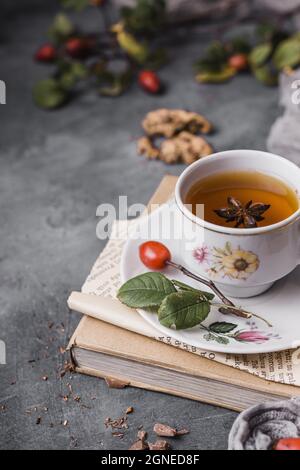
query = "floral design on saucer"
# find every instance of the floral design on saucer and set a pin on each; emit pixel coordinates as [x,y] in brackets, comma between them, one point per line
[223,333]
[234,263]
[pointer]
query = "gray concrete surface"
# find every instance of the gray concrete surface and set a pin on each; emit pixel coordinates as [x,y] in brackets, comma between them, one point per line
[56,167]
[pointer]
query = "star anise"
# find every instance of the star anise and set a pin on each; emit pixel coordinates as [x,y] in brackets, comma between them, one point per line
[247,215]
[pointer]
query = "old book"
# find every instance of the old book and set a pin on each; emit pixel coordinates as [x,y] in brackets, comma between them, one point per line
[104,350]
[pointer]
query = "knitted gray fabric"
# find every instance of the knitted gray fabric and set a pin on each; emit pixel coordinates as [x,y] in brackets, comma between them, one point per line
[284,137]
[260,426]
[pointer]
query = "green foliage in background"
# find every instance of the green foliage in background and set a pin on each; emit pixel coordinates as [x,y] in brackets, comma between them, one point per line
[109,61]
[61,28]
[77,58]
[77,5]
[273,51]
[147,16]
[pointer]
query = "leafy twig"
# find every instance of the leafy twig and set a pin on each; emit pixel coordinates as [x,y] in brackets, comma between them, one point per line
[182,308]
[204,281]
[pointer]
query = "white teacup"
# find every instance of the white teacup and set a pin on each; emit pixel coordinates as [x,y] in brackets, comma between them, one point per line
[243,261]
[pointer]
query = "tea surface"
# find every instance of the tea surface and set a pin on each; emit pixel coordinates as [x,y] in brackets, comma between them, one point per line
[213,191]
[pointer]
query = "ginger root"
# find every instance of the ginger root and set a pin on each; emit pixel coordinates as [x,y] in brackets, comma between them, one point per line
[147,147]
[184,147]
[178,127]
[169,122]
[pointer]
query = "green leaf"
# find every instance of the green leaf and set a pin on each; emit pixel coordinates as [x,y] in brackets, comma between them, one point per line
[287,54]
[75,4]
[62,27]
[214,60]
[79,70]
[115,89]
[222,340]
[117,83]
[49,94]
[145,290]
[296,36]
[183,310]
[222,327]
[260,54]
[265,31]
[70,73]
[239,45]
[146,16]
[186,287]
[153,309]
[216,77]
[137,50]
[218,339]
[266,75]
[67,81]
[209,337]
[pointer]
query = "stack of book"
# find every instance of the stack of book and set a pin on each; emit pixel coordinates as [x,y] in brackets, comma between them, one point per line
[125,350]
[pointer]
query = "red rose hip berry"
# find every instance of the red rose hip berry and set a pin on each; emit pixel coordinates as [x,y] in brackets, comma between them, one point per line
[154,255]
[292,443]
[238,62]
[149,81]
[46,53]
[78,47]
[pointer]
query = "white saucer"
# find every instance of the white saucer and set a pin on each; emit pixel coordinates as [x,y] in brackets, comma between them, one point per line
[280,305]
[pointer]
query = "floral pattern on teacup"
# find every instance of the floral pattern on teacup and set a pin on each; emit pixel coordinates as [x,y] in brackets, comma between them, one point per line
[223,333]
[234,263]
[201,254]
